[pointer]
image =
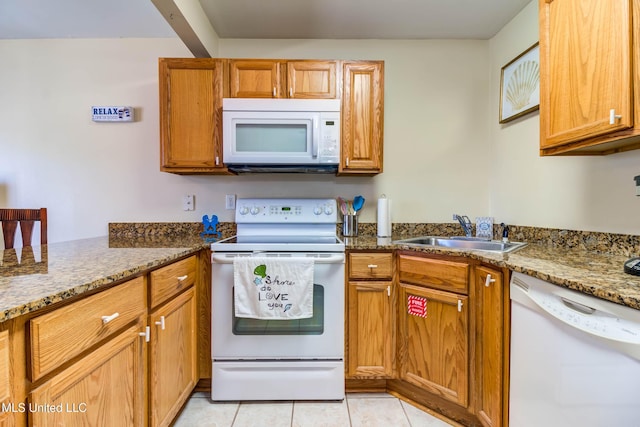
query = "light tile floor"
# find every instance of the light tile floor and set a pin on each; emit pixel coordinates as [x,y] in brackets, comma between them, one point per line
[357,410]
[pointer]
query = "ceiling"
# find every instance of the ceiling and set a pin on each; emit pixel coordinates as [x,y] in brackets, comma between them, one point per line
[318,19]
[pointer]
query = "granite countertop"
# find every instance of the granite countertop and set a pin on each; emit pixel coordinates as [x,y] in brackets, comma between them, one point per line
[589,272]
[33,278]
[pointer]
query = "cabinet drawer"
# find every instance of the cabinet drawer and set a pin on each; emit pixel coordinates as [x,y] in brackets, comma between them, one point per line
[171,280]
[68,331]
[371,265]
[434,273]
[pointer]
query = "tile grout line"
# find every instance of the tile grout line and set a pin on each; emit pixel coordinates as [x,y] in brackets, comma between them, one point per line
[235,415]
[404,411]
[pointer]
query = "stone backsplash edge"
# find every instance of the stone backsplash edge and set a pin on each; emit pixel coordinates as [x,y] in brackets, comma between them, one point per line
[609,243]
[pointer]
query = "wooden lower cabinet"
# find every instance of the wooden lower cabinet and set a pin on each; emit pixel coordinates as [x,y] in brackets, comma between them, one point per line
[491,298]
[371,320]
[104,388]
[6,396]
[433,351]
[173,357]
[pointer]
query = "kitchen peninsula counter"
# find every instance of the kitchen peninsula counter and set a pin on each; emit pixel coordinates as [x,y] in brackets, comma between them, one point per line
[589,272]
[59,271]
[34,278]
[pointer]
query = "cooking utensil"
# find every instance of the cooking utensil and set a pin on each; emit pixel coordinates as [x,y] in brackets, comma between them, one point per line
[343,206]
[358,203]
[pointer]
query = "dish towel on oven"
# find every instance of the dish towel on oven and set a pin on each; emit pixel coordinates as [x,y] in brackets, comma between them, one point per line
[273,288]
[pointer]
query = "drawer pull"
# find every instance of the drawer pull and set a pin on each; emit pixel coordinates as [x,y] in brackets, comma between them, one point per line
[107,319]
[489,280]
[460,306]
[372,266]
[146,334]
[182,278]
[160,322]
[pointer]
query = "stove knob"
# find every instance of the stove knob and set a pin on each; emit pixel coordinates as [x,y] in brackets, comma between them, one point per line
[255,210]
[317,210]
[328,209]
[243,210]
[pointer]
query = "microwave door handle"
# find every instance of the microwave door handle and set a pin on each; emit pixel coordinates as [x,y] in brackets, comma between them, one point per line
[315,138]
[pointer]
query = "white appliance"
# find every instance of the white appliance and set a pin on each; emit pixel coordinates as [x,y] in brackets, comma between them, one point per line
[575,359]
[280,359]
[281,135]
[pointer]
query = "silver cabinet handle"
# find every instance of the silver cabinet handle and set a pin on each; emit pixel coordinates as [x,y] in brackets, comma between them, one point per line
[217,161]
[372,266]
[389,290]
[613,116]
[160,322]
[489,280]
[274,91]
[460,305]
[107,319]
[290,92]
[146,334]
[182,278]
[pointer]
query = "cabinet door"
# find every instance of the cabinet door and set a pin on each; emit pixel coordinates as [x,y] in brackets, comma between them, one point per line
[434,349]
[105,388]
[173,353]
[311,79]
[254,78]
[362,117]
[6,398]
[585,59]
[191,92]
[371,330]
[490,357]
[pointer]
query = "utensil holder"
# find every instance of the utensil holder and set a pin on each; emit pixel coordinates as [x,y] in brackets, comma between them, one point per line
[350,225]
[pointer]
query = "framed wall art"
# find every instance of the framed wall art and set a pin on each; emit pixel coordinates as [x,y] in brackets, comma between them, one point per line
[520,85]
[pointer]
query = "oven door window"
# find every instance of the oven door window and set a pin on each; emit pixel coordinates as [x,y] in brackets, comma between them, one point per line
[311,326]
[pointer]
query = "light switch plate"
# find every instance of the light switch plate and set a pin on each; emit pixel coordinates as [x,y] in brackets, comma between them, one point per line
[230,201]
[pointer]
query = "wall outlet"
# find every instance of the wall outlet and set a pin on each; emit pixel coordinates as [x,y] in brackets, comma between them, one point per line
[188,202]
[230,201]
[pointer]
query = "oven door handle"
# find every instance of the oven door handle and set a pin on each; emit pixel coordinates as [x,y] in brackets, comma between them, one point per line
[225,258]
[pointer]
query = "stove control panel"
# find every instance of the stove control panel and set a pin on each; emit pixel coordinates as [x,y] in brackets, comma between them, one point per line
[308,211]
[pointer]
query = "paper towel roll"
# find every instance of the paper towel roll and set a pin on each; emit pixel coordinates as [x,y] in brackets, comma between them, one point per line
[384,217]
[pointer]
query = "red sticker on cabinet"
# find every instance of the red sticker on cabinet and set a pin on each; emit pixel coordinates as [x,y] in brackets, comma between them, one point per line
[417,306]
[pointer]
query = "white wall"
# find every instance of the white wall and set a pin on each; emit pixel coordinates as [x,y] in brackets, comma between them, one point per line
[89,174]
[443,147]
[579,193]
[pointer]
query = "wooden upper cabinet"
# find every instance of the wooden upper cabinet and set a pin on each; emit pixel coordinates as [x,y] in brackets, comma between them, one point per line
[191,92]
[589,53]
[254,78]
[266,78]
[311,79]
[362,117]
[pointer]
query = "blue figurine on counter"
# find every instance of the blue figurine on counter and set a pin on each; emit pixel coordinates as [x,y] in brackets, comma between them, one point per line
[210,233]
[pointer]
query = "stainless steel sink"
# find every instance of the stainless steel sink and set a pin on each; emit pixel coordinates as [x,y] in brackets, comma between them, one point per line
[460,242]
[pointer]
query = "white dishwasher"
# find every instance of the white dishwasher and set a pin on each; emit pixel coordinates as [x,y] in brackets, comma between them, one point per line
[575,359]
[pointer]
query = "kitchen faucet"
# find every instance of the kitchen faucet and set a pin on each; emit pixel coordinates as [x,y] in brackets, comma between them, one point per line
[465,222]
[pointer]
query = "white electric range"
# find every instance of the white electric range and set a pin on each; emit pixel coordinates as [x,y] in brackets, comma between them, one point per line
[280,359]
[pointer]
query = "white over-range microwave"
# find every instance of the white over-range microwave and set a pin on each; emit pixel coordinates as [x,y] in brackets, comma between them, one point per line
[281,135]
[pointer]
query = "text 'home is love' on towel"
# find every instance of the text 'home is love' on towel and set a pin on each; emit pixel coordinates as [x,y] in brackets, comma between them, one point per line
[273,288]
